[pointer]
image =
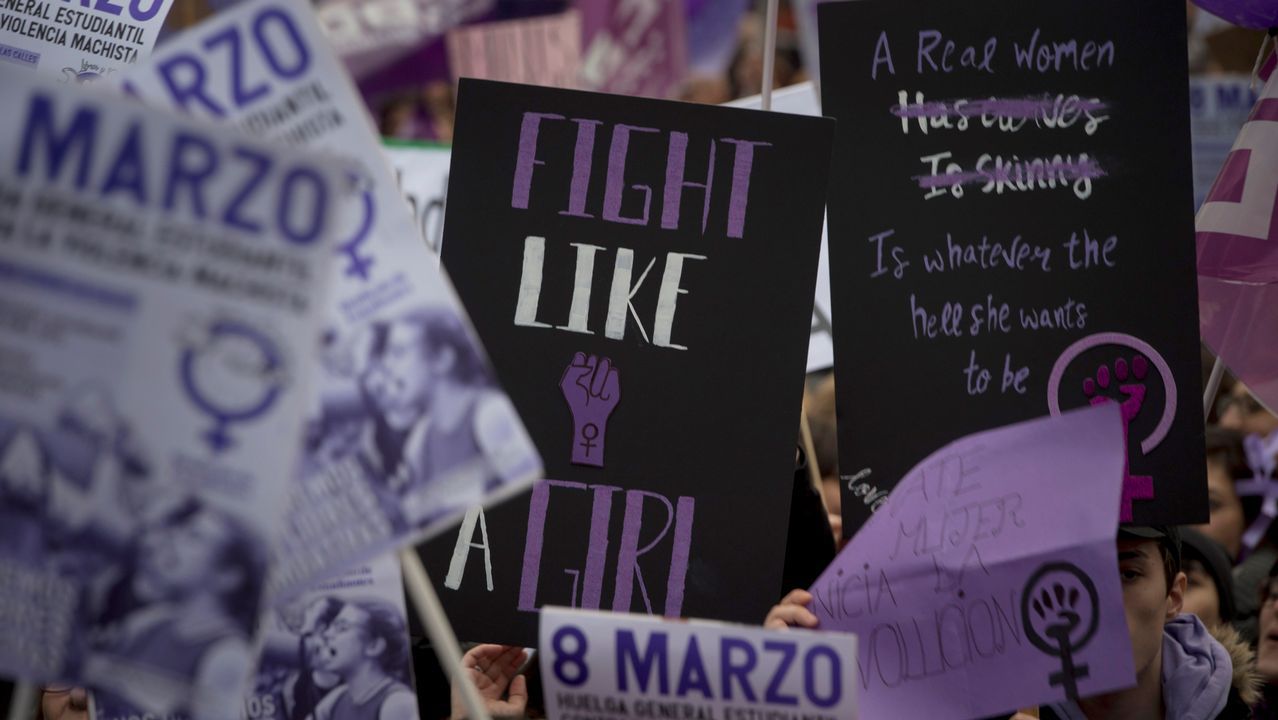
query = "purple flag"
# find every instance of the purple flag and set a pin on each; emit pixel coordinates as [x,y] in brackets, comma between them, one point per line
[988,580]
[1238,251]
[633,47]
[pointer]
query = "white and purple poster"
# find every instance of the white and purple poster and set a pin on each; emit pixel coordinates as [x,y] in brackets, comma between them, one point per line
[162,287]
[409,426]
[79,42]
[337,651]
[615,666]
[421,168]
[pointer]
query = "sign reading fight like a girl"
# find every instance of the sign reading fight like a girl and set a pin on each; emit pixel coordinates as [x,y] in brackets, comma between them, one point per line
[642,273]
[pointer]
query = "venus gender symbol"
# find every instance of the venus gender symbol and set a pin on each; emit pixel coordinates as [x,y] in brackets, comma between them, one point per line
[233,373]
[1060,613]
[1127,374]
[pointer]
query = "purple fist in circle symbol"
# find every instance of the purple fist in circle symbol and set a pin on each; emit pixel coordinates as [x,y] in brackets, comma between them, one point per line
[592,388]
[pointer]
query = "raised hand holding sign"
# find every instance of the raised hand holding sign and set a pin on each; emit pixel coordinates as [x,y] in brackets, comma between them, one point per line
[592,388]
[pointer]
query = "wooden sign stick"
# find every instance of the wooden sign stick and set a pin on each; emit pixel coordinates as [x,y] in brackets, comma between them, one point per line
[1213,386]
[22,704]
[442,637]
[769,52]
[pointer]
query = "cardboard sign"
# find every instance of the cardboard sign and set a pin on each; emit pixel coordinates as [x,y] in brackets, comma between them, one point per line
[422,171]
[162,285]
[634,47]
[988,580]
[1011,234]
[614,665]
[410,427]
[801,99]
[540,50]
[352,625]
[79,42]
[614,254]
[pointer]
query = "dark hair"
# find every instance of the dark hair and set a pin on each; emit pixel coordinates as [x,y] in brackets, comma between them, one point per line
[1225,446]
[243,551]
[306,694]
[1212,558]
[441,328]
[386,622]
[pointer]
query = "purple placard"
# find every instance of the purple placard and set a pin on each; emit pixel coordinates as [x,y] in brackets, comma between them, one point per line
[637,47]
[944,585]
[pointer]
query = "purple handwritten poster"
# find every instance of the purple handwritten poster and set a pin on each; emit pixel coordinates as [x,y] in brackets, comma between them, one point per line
[989,579]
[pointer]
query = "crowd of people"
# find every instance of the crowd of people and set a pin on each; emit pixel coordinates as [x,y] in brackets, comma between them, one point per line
[1201,602]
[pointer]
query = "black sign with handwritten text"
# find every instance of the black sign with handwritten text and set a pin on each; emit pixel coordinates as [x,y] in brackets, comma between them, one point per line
[1011,233]
[641,273]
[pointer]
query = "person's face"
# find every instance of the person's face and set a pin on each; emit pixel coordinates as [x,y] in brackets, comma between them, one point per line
[1267,645]
[833,506]
[345,642]
[1226,524]
[1240,411]
[180,559]
[1201,597]
[1146,601]
[400,379]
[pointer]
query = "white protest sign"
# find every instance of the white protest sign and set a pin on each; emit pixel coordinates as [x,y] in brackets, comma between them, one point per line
[617,665]
[422,171]
[802,99]
[162,285]
[409,428]
[79,42]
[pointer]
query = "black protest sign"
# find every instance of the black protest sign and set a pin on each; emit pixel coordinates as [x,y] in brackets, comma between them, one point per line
[1011,233]
[641,273]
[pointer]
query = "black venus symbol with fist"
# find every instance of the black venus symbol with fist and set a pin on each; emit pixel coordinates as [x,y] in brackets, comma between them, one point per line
[1060,612]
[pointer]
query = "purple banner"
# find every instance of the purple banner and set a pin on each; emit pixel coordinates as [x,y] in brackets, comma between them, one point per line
[635,47]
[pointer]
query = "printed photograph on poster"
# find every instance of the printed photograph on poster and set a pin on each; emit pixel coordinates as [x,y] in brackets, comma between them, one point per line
[339,651]
[154,391]
[410,412]
[402,372]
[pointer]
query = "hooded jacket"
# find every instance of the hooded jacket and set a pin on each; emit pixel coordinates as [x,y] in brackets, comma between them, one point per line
[1207,675]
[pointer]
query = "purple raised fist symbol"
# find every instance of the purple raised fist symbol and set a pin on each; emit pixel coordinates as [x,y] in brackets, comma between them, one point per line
[1130,380]
[592,387]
